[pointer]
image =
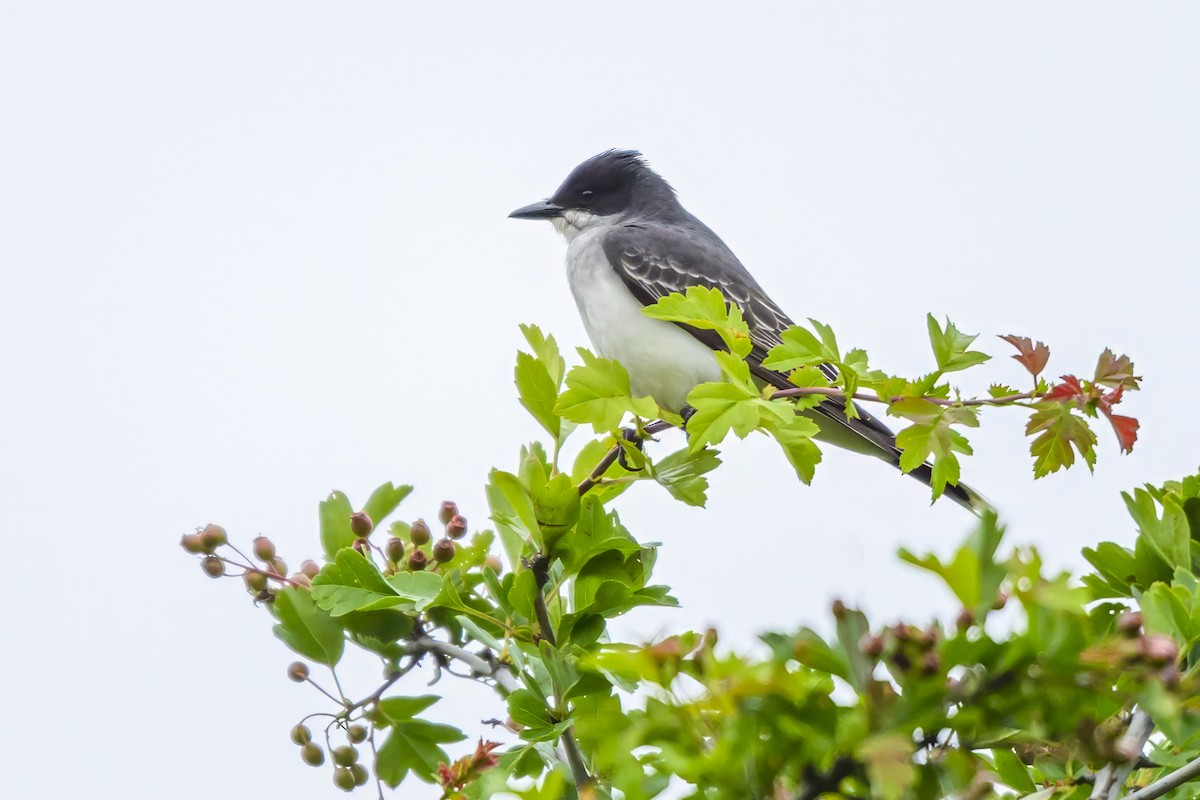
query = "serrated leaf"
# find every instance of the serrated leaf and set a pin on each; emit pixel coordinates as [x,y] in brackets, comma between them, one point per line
[307,629]
[384,500]
[799,347]
[951,347]
[545,350]
[412,746]
[720,407]
[335,514]
[537,392]
[1032,357]
[705,309]
[1116,371]
[352,583]
[598,394]
[1058,431]
[422,588]
[682,474]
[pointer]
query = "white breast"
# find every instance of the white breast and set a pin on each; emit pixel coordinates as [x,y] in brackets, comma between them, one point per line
[663,360]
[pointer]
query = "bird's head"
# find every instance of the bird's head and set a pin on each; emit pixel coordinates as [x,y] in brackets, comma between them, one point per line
[611,186]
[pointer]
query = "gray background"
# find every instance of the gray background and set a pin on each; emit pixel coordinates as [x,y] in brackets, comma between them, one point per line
[250,252]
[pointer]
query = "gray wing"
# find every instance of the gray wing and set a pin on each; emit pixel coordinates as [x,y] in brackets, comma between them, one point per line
[655,260]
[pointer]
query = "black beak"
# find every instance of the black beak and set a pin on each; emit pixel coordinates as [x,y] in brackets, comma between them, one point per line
[542,209]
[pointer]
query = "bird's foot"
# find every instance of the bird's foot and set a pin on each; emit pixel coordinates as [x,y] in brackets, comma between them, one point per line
[687,412]
[631,438]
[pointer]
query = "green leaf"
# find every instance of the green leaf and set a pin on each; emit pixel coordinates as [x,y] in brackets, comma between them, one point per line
[682,474]
[801,348]
[1058,431]
[352,583]
[545,349]
[556,506]
[307,629]
[720,407]
[973,575]
[1170,535]
[412,746]
[1010,769]
[537,392]
[513,512]
[795,437]
[384,500]
[422,588]
[527,708]
[399,709]
[335,514]
[950,347]
[932,434]
[705,309]
[598,393]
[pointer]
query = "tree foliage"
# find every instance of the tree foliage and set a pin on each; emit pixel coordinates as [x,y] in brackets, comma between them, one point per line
[1055,698]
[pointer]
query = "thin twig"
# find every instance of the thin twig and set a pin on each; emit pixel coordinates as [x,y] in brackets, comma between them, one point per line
[540,565]
[1168,782]
[1111,778]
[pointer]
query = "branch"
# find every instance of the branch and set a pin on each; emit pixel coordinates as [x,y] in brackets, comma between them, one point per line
[611,456]
[1111,778]
[803,391]
[540,564]
[1165,784]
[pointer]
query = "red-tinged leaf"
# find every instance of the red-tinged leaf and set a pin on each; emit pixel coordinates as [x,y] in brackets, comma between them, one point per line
[1067,390]
[1029,355]
[1126,429]
[1116,371]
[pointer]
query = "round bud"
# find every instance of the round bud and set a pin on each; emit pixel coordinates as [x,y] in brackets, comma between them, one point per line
[871,645]
[931,664]
[362,546]
[443,551]
[456,528]
[213,536]
[357,734]
[213,567]
[927,638]
[310,568]
[300,579]
[361,525]
[312,754]
[255,580]
[1157,649]
[448,511]
[901,632]
[192,542]
[360,774]
[345,755]
[298,671]
[417,560]
[493,563]
[278,566]
[419,533]
[394,550]
[1130,623]
[301,735]
[966,618]
[264,548]
[343,779]
[901,661]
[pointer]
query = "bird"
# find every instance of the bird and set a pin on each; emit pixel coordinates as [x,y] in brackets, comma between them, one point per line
[630,243]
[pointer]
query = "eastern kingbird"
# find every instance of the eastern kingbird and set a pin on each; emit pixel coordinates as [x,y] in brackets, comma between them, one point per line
[629,243]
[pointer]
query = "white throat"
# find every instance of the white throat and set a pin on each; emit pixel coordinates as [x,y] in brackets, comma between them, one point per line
[573,222]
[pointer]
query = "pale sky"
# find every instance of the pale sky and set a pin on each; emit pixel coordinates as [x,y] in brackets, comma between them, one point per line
[251,252]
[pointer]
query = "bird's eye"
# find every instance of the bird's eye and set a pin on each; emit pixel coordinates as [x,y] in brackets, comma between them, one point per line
[587,194]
